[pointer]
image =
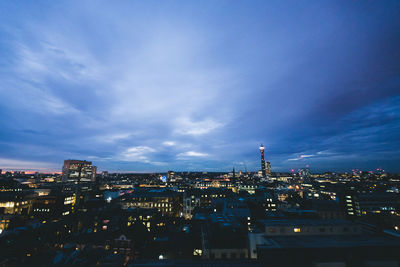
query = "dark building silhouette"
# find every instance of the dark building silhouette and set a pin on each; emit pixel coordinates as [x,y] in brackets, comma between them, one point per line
[263,168]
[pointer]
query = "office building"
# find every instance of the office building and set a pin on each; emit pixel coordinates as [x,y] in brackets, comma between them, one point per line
[78,171]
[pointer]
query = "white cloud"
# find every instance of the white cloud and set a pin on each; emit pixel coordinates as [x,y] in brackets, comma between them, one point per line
[191,154]
[185,126]
[137,154]
[169,143]
[302,157]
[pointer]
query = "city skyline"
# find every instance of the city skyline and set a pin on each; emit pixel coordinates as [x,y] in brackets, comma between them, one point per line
[158,86]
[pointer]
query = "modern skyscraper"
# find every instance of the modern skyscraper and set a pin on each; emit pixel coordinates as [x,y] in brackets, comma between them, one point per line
[263,169]
[78,171]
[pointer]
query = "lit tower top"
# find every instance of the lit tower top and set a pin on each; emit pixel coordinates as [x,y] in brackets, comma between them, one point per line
[263,169]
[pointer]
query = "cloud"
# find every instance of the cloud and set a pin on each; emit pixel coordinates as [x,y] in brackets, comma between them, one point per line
[185,126]
[307,156]
[136,154]
[15,164]
[169,143]
[201,86]
[190,154]
[112,138]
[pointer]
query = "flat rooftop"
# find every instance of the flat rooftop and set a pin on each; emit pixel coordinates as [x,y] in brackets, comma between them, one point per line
[304,222]
[334,241]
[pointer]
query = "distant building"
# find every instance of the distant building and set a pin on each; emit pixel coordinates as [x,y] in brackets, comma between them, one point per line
[104,174]
[165,201]
[268,168]
[78,171]
[358,204]
[171,176]
[263,168]
[201,198]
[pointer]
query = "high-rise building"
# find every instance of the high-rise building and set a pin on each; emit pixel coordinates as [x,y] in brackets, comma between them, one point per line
[78,171]
[268,168]
[263,168]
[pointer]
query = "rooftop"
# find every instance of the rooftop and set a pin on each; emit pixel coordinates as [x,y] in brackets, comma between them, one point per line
[329,241]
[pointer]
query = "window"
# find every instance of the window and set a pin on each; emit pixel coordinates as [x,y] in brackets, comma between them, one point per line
[297,230]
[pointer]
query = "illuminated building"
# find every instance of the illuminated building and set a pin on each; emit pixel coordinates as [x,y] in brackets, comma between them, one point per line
[263,168]
[369,203]
[78,171]
[248,187]
[266,199]
[171,176]
[45,206]
[53,205]
[16,203]
[216,183]
[351,204]
[166,202]
[201,198]
[4,222]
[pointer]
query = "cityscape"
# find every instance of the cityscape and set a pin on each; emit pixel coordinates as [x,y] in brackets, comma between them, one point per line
[79,217]
[200,133]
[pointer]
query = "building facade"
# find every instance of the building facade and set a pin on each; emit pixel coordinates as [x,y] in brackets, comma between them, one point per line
[78,171]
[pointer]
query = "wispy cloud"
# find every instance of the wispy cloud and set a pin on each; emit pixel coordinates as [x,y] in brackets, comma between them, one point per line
[169,143]
[186,126]
[136,154]
[190,154]
[15,164]
[300,157]
[112,138]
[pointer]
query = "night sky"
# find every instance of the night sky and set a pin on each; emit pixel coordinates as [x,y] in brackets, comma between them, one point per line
[198,85]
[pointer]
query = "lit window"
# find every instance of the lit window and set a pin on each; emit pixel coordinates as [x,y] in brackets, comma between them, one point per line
[297,230]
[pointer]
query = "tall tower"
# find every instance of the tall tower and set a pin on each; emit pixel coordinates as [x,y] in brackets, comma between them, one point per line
[263,169]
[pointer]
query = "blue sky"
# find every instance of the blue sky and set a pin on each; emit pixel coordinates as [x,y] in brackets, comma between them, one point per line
[198,85]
